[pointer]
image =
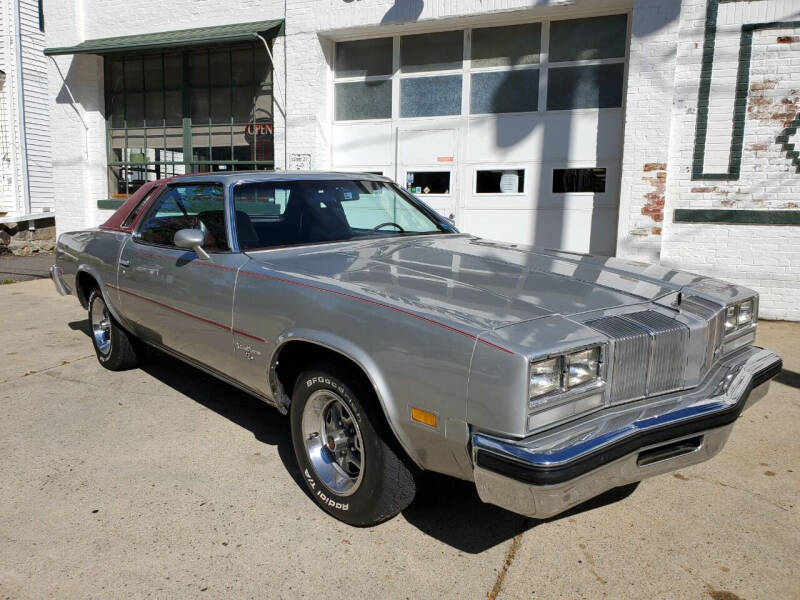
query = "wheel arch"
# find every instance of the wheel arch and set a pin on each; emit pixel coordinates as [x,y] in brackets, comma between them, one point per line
[87,277]
[303,347]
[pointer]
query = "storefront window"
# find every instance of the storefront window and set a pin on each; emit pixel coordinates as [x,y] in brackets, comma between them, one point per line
[187,111]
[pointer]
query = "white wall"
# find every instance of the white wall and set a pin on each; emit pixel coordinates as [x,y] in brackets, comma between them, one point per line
[651,73]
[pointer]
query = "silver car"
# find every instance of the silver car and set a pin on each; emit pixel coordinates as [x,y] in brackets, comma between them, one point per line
[397,344]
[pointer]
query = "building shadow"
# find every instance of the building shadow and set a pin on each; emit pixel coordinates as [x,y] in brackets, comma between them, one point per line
[447,509]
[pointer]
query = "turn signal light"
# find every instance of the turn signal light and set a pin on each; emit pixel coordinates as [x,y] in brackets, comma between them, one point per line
[423,416]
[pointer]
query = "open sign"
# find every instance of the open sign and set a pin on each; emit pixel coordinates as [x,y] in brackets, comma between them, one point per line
[259,128]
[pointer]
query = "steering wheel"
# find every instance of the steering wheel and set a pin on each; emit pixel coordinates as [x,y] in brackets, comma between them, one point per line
[393,224]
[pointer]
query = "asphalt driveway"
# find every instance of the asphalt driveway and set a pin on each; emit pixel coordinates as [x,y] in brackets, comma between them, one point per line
[163,482]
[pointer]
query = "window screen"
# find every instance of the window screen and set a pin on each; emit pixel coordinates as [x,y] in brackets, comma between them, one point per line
[430,96]
[431,51]
[428,182]
[579,180]
[595,86]
[588,39]
[500,181]
[504,91]
[503,46]
[364,100]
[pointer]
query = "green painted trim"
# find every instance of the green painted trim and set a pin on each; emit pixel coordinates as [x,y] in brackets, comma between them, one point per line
[740,101]
[737,217]
[110,204]
[201,36]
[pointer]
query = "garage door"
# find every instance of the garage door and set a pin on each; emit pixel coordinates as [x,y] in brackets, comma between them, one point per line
[515,131]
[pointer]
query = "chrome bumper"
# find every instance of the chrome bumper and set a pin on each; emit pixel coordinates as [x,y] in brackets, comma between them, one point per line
[55,275]
[546,474]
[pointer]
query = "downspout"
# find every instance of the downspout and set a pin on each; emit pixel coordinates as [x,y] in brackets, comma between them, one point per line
[282,105]
[23,143]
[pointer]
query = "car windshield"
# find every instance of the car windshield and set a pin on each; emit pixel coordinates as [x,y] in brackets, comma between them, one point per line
[283,213]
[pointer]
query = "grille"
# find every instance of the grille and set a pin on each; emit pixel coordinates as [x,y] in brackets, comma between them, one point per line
[714,315]
[648,354]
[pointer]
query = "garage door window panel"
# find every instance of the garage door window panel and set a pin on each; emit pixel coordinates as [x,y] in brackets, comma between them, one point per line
[504,91]
[500,181]
[596,86]
[506,46]
[432,52]
[428,182]
[430,96]
[586,180]
[588,39]
[360,100]
[364,58]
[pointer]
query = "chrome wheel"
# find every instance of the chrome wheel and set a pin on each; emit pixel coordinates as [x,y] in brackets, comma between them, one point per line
[101,325]
[333,442]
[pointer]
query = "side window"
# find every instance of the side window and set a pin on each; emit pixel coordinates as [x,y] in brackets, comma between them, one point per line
[267,214]
[191,206]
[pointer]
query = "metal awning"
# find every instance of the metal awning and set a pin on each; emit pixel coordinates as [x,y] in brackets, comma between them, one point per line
[202,36]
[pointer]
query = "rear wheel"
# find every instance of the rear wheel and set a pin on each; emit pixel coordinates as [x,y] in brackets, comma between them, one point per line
[116,349]
[351,463]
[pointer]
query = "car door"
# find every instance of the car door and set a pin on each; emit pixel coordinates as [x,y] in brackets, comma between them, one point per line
[172,297]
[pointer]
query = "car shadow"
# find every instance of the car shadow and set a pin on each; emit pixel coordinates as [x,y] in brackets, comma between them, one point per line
[447,509]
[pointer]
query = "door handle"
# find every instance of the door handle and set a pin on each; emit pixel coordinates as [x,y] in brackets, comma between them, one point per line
[124,263]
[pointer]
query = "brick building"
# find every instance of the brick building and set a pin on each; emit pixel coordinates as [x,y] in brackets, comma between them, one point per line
[657,130]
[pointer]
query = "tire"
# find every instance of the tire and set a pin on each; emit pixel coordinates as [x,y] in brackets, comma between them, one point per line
[366,478]
[116,349]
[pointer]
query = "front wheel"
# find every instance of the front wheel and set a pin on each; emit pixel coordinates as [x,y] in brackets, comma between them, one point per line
[352,465]
[116,349]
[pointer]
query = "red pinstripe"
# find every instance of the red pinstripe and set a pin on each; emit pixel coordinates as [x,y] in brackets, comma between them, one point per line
[317,288]
[188,314]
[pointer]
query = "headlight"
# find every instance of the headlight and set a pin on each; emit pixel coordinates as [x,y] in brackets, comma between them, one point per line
[565,386]
[745,313]
[740,325]
[730,318]
[583,366]
[740,315]
[545,377]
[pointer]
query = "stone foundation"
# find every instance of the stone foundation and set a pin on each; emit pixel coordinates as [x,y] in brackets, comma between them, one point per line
[28,237]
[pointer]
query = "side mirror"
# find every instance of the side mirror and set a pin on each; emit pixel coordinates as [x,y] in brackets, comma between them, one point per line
[192,239]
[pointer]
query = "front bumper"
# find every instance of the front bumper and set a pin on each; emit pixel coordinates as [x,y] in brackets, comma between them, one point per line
[544,475]
[55,275]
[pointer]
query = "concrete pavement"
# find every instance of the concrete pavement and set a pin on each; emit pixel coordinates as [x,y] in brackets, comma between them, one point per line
[163,482]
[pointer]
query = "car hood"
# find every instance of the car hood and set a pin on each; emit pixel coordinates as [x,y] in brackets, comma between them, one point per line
[476,282]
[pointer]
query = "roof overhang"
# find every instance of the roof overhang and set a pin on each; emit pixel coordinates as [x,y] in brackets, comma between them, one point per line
[201,36]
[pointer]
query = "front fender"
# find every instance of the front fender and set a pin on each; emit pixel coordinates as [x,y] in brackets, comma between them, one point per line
[391,408]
